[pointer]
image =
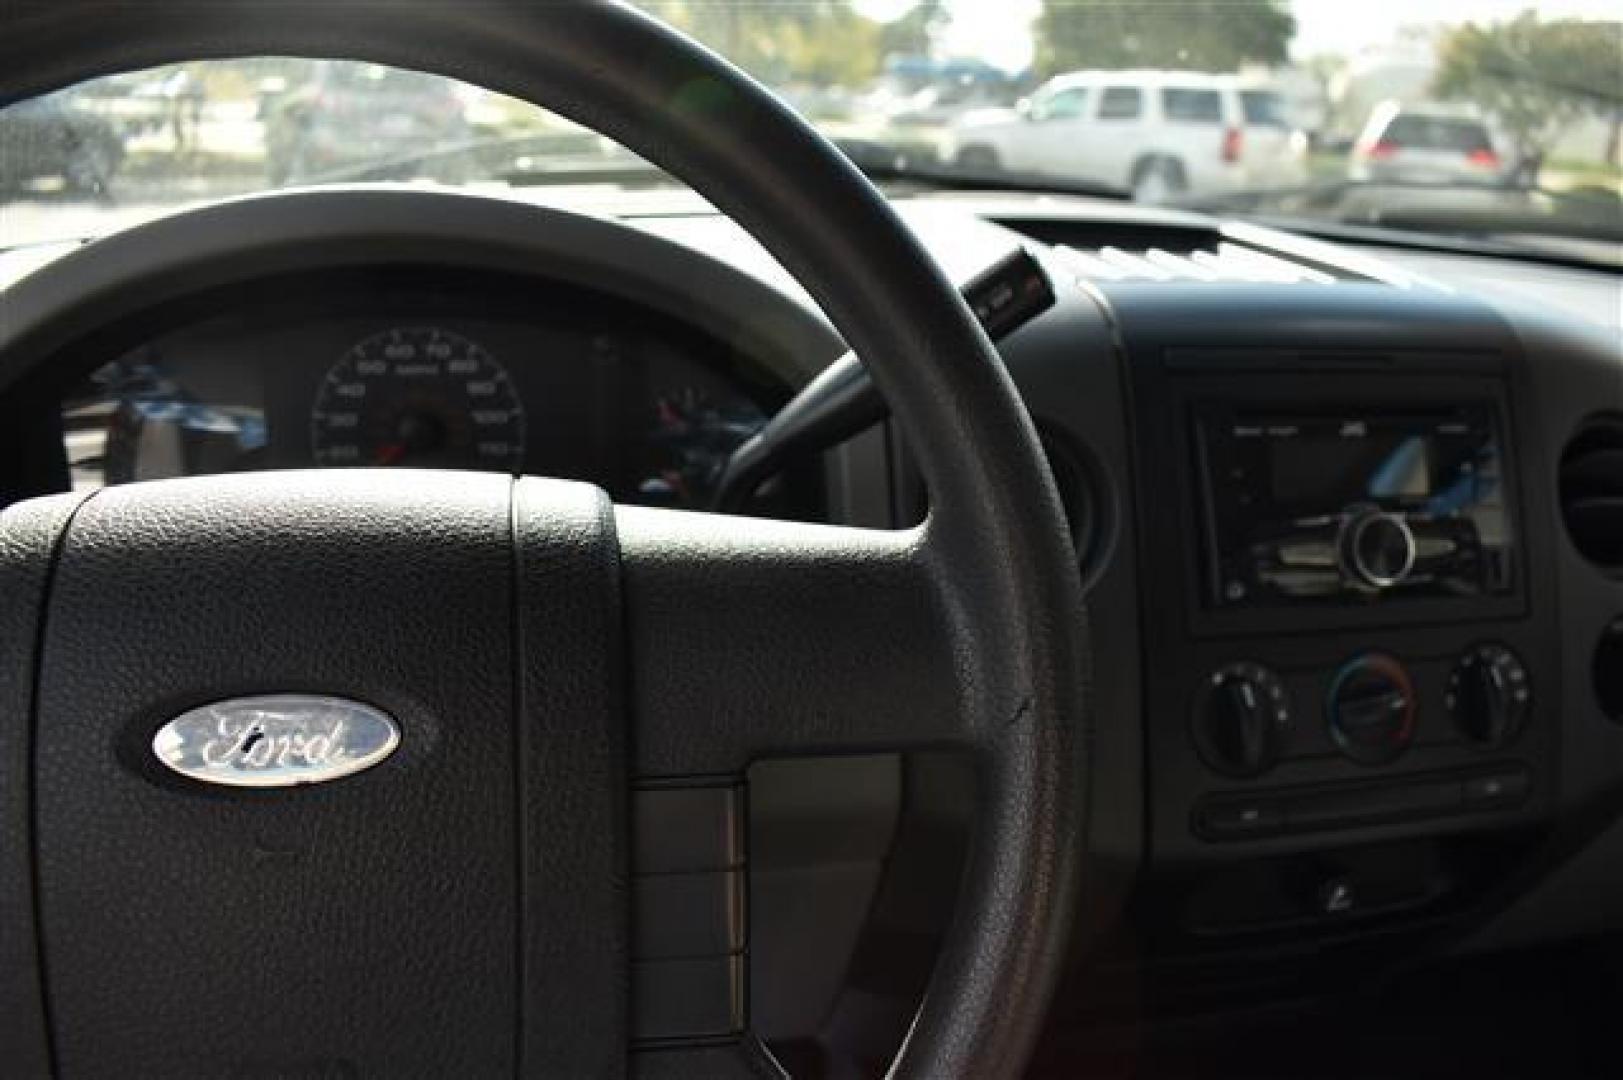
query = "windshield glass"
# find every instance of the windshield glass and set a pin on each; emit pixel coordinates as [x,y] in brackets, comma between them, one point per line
[1434,133]
[1263,108]
[1458,117]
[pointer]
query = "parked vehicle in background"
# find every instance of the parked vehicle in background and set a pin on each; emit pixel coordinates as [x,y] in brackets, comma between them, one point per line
[54,138]
[133,104]
[910,111]
[1425,145]
[311,127]
[1158,133]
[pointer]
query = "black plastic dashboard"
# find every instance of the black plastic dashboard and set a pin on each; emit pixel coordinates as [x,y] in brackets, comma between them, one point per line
[406,366]
[1405,756]
[1327,779]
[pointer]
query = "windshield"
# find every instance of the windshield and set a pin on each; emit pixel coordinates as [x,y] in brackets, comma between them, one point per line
[1264,108]
[1464,117]
[1433,133]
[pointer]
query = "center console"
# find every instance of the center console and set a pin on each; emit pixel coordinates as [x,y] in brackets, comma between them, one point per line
[1350,682]
[1367,545]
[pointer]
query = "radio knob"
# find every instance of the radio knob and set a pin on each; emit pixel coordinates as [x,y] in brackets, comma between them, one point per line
[1371,707]
[1243,720]
[1489,695]
[1377,548]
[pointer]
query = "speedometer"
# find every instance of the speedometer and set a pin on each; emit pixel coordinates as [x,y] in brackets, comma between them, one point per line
[418,396]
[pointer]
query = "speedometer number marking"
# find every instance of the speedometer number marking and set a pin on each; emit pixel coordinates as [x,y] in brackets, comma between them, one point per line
[418,396]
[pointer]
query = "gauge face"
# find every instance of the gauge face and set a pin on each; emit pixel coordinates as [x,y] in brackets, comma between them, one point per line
[422,397]
[695,431]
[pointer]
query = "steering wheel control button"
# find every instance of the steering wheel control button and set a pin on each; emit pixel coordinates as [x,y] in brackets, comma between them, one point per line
[1377,549]
[277,740]
[687,999]
[683,829]
[1489,695]
[1371,709]
[1242,720]
[687,915]
[688,909]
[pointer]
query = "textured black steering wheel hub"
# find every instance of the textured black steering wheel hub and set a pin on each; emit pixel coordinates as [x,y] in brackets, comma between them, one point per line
[461,907]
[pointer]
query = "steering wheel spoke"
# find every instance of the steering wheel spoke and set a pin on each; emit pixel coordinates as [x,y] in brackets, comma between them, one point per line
[751,638]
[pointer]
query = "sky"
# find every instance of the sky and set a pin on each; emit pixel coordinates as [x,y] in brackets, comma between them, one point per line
[999,30]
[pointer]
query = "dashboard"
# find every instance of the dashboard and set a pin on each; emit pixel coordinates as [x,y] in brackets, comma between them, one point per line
[1350,528]
[401,367]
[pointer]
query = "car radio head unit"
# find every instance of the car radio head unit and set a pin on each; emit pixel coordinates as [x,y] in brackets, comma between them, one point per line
[1304,507]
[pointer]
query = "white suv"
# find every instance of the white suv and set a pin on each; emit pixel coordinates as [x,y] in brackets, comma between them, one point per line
[1157,133]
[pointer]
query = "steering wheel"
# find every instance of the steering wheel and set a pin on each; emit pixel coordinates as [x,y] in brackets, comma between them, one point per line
[462,908]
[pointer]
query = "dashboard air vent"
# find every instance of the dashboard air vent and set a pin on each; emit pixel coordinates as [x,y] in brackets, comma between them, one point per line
[1592,492]
[1609,671]
[1086,498]
[1226,262]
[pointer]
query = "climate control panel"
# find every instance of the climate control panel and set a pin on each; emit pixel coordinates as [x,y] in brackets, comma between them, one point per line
[1380,736]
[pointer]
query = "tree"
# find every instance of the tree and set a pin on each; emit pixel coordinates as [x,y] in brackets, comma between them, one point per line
[915,32]
[818,41]
[1326,69]
[1201,35]
[1535,77]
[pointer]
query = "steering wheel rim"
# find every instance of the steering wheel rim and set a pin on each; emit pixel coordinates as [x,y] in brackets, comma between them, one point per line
[1002,577]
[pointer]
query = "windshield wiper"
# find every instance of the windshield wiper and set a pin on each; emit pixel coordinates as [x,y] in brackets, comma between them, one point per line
[884,164]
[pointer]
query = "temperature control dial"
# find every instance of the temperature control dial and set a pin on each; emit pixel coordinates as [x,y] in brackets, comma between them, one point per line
[1242,720]
[1489,695]
[1371,708]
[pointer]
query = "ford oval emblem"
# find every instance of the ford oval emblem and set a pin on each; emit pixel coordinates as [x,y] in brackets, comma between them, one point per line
[277,740]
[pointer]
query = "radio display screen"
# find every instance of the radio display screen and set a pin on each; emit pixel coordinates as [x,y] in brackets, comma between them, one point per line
[1387,464]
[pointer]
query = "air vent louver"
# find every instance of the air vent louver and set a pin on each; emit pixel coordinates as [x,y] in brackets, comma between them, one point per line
[1226,263]
[1592,492]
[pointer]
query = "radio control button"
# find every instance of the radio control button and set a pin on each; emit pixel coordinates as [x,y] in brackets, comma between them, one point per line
[1371,708]
[1377,548]
[1308,553]
[1434,547]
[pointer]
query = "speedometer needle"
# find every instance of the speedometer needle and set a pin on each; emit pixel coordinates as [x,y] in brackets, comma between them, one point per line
[393,452]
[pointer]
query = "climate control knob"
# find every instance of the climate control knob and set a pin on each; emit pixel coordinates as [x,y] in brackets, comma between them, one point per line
[1371,709]
[1489,695]
[1242,720]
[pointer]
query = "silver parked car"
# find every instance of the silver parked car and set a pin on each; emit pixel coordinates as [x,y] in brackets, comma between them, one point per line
[1425,145]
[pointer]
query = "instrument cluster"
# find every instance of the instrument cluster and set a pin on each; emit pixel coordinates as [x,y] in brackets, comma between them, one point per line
[648,410]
